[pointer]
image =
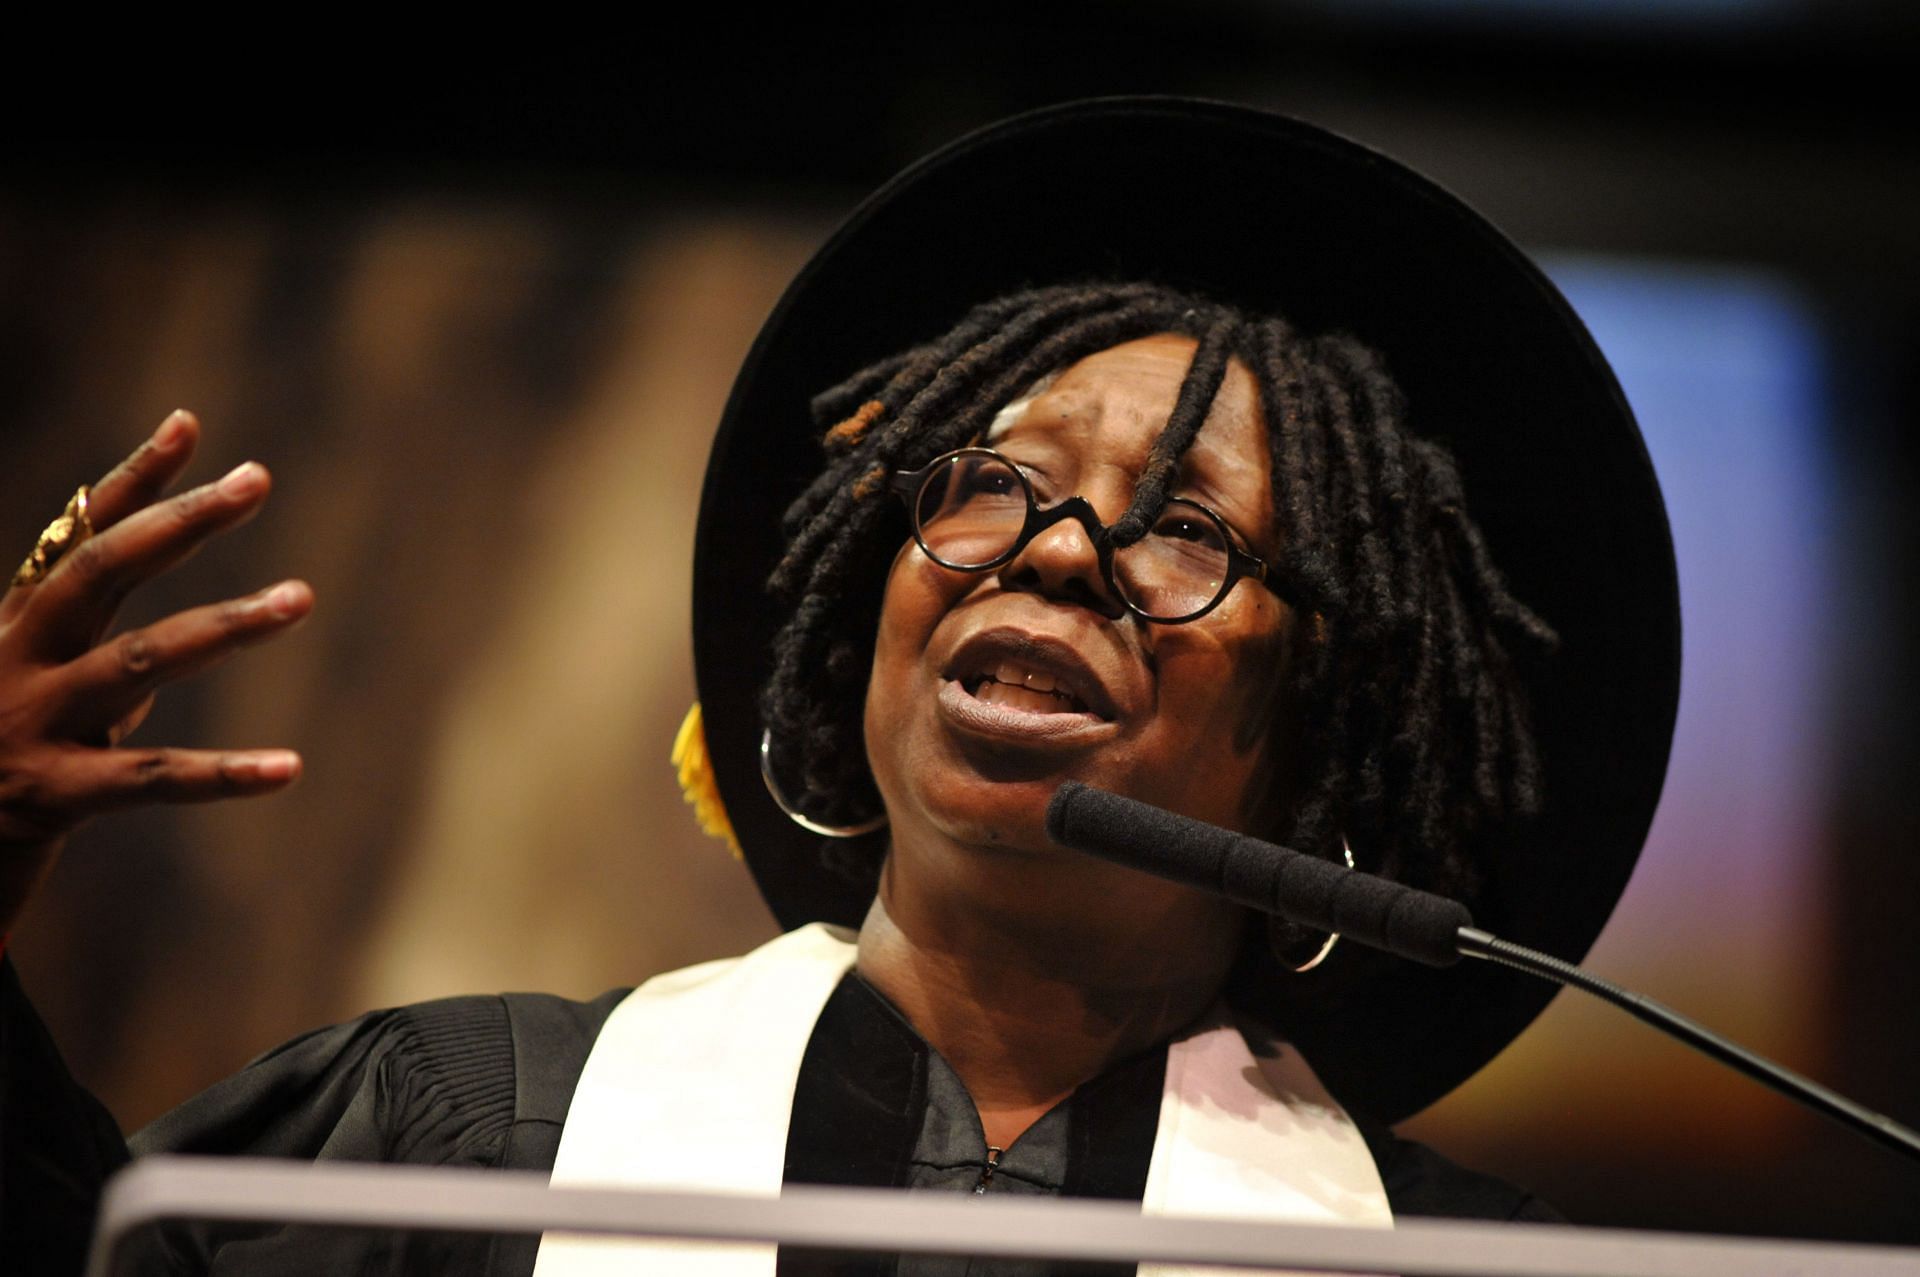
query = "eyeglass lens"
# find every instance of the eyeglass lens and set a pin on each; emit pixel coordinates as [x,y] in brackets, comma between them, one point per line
[971,510]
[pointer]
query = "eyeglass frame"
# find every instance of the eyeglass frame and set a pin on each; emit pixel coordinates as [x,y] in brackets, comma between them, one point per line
[908,485]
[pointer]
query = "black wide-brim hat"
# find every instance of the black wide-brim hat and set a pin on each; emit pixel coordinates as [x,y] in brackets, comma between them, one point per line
[1275,217]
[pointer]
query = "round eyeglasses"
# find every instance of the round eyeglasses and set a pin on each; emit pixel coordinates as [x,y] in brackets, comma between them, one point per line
[974,510]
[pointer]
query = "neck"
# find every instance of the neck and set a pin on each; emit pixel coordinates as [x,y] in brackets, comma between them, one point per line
[1026,1006]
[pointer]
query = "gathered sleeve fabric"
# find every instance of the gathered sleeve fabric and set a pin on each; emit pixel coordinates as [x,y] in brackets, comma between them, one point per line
[476,1081]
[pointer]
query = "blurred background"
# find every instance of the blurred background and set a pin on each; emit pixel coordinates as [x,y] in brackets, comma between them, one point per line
[478,306]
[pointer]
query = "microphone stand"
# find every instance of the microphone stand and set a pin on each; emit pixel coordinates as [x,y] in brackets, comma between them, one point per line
[1475,943]
[1404,921]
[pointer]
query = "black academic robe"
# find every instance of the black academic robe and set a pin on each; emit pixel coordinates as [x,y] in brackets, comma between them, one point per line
[485,1082]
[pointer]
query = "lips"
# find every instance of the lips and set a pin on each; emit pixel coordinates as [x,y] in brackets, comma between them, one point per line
[1012,674]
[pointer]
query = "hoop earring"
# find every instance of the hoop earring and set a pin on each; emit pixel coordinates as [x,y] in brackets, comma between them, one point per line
[793,813]
[1333,937]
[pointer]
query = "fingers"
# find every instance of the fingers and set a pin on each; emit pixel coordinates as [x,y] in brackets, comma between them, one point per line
[65,704]
[67,611]
[132,485]
[84,782]
[139,481]
[108,685]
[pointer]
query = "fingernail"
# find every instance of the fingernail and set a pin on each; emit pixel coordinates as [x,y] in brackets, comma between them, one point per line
[171,429]
[244,479]
[283,599]
[278,764]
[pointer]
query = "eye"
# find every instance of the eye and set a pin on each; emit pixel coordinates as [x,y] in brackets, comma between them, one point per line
[987,480]
[1189,525]
[1037,479]
[972,483]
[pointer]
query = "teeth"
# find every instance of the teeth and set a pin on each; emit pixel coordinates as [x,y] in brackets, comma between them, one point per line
[1014,674]
[1013,683]
[1026,698]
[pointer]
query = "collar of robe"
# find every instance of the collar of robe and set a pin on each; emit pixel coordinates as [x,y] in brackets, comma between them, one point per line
[705,1061]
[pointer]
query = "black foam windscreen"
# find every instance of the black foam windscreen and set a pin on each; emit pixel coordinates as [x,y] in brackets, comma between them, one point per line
[1316,893]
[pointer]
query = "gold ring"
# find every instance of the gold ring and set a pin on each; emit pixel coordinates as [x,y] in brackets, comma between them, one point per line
[61,537]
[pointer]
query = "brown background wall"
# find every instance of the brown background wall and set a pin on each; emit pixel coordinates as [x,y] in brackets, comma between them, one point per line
[488,432]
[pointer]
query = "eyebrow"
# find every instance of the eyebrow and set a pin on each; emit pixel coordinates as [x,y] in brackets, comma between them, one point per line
[1004,419]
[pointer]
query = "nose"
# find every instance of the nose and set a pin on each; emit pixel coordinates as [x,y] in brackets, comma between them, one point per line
[1063,560]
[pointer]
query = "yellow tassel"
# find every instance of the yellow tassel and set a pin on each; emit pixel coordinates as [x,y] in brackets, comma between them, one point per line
[696,780]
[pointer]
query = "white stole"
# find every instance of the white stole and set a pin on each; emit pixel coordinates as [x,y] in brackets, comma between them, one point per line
[690,1086]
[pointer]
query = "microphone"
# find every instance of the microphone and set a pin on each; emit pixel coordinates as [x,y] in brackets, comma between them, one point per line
[1261,875]
[1386,915]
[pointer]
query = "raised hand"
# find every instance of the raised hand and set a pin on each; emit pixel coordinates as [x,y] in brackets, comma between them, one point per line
[67,699]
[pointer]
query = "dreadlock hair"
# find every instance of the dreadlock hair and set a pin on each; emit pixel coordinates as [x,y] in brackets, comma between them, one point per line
[1415,733]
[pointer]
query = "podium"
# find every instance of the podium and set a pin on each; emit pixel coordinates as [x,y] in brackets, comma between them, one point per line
[402,1197]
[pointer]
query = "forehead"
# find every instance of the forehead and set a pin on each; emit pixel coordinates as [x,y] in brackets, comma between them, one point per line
[1109,408]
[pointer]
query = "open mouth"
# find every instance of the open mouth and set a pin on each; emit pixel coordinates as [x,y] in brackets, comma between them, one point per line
[1022,687]
[1015,686]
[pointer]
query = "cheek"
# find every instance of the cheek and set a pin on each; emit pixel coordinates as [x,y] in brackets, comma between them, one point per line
[893,645]
[1233,684]
[1268,732]
[1264,678]
[919,594]
[1239,670]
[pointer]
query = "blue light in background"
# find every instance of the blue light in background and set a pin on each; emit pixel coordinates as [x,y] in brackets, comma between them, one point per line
[1725,370]
[1724,917]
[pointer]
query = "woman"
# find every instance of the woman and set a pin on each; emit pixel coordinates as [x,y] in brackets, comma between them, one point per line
[1142,534]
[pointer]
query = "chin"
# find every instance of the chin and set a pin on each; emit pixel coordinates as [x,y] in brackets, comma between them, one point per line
[1004,814]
